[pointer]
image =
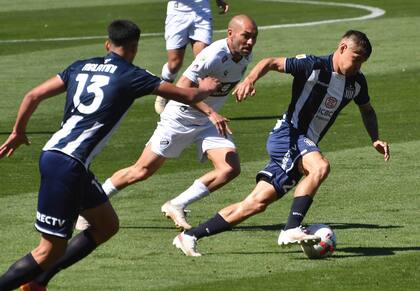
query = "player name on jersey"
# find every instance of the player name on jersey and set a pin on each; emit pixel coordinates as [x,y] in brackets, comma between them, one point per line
[107,68]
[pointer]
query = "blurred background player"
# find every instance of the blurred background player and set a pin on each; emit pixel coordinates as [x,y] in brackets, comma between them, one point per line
[322,87]
[187,21]
[99,91]
[182,125]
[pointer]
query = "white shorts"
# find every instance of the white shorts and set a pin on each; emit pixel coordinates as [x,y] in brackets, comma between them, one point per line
[170,138]
[181,28]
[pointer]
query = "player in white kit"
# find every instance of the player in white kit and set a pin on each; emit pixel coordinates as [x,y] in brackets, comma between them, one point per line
[187,21]
[182,125]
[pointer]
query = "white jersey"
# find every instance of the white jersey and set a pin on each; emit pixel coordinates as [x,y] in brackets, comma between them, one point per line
[216,61]
[200,7]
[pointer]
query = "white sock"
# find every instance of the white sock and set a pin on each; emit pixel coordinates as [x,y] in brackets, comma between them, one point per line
[109,188]
[166,74]
[195,192]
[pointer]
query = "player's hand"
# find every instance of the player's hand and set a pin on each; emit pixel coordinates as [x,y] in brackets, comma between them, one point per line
[12,143]
[223,6]
[221,123]
[243,90]
[209,84]
[383,148]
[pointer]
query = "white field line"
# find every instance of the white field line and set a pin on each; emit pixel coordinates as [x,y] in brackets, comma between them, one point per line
[374,12]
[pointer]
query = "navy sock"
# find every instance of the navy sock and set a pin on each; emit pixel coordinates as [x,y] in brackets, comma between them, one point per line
[210,227]
[21,272]
[300,207]
[78,248]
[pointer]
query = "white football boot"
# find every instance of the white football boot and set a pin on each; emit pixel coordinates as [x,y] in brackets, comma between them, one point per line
[297,236]
[177,214]
[187,244]
[82,223]
[160,104]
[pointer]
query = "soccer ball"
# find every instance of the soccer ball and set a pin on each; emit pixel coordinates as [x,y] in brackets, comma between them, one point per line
[325,247]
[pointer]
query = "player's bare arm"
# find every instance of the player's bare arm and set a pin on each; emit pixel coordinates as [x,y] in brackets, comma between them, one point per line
[187,95]
[223,6]
[246,88]
[30,102]
[219,121]
[370,122]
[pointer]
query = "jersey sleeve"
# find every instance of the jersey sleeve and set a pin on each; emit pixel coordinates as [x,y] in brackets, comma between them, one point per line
[363,96]
[299,65]
[65,75]
[200,68]
[143,83]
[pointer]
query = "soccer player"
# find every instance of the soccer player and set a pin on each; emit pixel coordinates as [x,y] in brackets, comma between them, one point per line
[99,92]
[182,125]
[322,86]
[187,21]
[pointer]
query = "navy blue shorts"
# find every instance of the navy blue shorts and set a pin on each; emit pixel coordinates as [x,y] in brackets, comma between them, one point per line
[67,188]
[285,145]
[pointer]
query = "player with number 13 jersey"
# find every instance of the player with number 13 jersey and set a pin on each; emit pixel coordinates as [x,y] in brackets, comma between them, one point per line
[97,85]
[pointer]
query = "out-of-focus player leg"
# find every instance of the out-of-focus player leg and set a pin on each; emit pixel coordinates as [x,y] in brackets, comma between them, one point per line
[50,248]
[169,73]
[104,224]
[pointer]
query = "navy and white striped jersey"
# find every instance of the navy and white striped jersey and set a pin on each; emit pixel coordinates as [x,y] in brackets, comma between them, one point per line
[319,94]
[99,92]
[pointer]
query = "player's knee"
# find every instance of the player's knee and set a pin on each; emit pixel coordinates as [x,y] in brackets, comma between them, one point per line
[229,172]
[106,229]
[322,170]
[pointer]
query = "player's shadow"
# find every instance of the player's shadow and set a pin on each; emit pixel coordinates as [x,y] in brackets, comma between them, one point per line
[333,225]
[372,251]
[353,252]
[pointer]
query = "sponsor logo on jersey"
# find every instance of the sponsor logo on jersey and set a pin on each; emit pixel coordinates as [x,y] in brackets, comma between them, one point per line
[301,56]
[225,73]
[324,114]
[349,92]
[224,89]
[50,220]
[330,102]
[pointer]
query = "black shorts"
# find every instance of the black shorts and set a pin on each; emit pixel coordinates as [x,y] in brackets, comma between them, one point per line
[67,188]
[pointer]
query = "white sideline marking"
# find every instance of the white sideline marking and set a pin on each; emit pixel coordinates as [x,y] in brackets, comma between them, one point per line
[374,13]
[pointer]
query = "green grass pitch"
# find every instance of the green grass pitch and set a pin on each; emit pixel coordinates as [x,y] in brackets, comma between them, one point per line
[374,207]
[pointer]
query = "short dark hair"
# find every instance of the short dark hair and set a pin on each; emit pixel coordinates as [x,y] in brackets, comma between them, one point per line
[123,32]
[360,40]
